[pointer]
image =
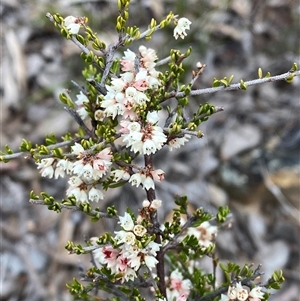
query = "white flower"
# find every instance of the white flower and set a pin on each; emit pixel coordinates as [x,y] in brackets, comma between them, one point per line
[183,24]
[95,195]
[256,292]
[149,147]
[118,84]
[59,172]
[130,274]
[72,24]
[79,194]
[150,253]
[148,183]
[81,100]
[158,137]
[135,260]
[130,92]
[99,115]
[77,149]
[178,141]
[120,174]
[205,233]
[241,293]
[134,127]
[150,261]
[75,181]
[148,57]
[139,230]
[140,98]
[46,167]
[135,180]
[153,117]
[126,222]
[107,255]
[125,237]
[87,172]
[152,248]
[64,165]
[47,172]
[231,292]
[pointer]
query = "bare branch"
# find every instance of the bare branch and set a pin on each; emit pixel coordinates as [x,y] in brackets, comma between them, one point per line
[235,87]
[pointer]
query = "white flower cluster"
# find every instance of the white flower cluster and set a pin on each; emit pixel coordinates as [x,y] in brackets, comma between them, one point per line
[145,139]
[241,293]
[129,256]
[126,93]
[85,172]
[144,177]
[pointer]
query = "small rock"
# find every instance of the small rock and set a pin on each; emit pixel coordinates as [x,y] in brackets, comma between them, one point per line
[240,138]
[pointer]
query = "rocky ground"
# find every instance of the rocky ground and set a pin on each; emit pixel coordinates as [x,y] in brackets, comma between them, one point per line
[249,158]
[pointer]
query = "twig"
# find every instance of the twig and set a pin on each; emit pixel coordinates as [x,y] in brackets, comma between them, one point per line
[163,61]
[26,155]
[197,73]
[99,87]
[235,87]
[78,119]
[75,208]
[114,287]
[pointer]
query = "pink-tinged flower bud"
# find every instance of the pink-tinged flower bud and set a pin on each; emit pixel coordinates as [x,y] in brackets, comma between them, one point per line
[155,204]
[158,175]
[146,203]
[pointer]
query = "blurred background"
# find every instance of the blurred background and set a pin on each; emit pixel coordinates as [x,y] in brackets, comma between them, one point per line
[248,159]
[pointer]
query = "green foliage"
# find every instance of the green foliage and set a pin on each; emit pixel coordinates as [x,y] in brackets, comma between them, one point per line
[294,67]
[243,86]
[25,145]
[65,99]
[275,280]
[233,271]
[222,214]
[7,151]
[226,82]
